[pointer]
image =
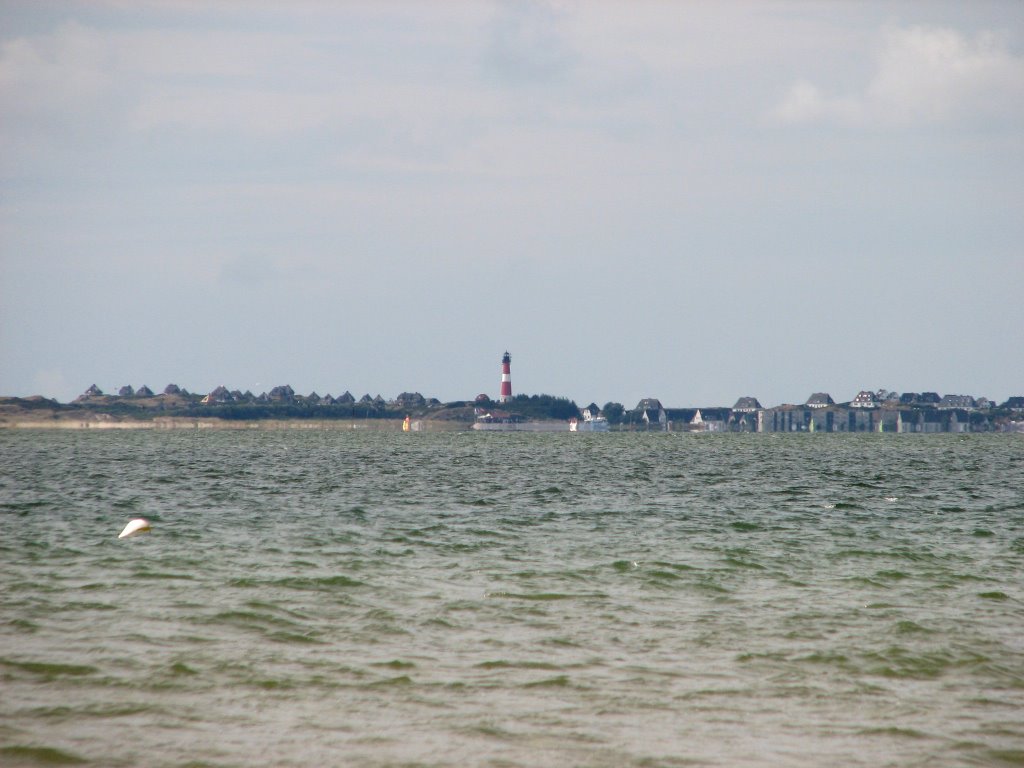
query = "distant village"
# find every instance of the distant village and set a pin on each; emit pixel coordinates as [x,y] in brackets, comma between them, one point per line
[880,411]
[281,395]
[868,411]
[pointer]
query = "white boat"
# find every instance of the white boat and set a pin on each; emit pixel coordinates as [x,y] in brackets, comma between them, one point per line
[590,423]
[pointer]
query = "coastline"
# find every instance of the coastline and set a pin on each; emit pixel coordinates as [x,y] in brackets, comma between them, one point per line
[179,422]
[177,412]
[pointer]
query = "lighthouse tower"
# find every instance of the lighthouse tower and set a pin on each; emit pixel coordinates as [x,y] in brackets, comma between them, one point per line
[506,378]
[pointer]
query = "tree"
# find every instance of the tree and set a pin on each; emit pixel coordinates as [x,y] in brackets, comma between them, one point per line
[613,412]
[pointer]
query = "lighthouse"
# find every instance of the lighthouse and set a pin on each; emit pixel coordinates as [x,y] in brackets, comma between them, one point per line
[506,378]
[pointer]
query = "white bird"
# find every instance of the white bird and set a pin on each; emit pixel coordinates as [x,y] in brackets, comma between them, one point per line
[136,526]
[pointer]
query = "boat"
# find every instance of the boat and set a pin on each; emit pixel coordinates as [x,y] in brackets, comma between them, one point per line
[590,423]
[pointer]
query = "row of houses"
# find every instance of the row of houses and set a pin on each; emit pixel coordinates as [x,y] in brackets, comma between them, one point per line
[842,419]
[283,394]
[887,399]
[286,395]
[868,412]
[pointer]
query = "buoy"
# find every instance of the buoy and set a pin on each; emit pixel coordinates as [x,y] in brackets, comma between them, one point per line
[136,526]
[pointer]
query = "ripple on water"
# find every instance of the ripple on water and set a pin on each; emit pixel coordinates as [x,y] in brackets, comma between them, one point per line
[463,599]
[18,755]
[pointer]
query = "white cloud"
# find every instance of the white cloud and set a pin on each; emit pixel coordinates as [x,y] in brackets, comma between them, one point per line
[805,103]
[921,74]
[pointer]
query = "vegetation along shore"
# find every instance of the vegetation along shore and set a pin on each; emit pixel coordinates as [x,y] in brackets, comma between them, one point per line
[281,408]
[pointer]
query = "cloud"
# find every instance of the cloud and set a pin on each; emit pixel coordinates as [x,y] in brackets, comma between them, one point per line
[144,79]
[922,74]
[805,103]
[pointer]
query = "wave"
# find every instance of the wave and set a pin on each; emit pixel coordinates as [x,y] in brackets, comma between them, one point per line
[18,755]
[301,583]
[547,596]
[50,670]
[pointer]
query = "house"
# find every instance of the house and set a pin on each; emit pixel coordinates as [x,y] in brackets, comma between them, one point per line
[888,420]
[126,391]
[956,401]
[710,419]
[282,394]
[786,418]
[959,420]
[865,399]
[410,400]
[820,400]
[862,419]
[658,418]
[910,398]
[933,421]
[887,396]
[747,405]
[219,396]
[743,421]
[1013,403]
[144,391]
[91,392]
[345,399]
[929,398]
[821,419]
[909,421]
[649,411]
[682,416]
[649,404]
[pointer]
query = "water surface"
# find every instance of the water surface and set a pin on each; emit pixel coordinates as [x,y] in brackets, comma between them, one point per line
[386,599]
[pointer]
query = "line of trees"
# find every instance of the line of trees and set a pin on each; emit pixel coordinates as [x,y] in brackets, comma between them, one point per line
[535,407]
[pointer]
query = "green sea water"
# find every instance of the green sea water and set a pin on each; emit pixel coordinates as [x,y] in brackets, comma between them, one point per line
[464,599]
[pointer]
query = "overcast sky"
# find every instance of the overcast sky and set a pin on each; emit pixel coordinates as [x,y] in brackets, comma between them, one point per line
[690,201]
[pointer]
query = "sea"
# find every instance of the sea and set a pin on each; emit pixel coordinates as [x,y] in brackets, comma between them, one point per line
[353,598]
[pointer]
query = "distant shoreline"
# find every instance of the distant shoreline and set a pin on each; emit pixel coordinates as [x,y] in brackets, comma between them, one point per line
[213,424]
[177,424]
[412,412]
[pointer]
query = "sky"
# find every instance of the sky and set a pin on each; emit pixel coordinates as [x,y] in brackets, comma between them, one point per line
[694,201]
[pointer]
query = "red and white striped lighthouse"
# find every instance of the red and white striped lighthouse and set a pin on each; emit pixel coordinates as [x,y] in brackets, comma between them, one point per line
[506,378]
